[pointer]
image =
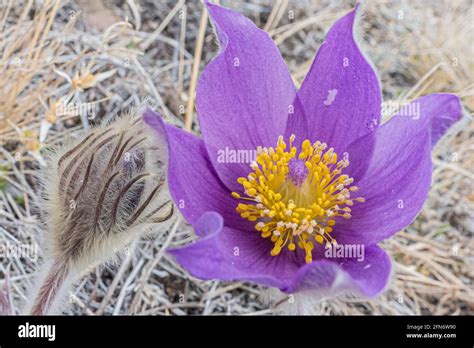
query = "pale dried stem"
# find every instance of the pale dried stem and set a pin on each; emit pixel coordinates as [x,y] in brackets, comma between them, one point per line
[195,72]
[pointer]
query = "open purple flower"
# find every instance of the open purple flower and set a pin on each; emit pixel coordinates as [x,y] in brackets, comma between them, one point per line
[325,179]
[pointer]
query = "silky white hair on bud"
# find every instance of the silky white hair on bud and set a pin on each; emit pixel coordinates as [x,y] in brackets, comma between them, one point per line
[98,193]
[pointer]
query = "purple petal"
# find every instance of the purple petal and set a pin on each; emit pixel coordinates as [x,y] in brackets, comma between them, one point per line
[208,224]
[435,112]
[193,182]
[341,93]
[297,124]
[231,254]
[244,94]
[367,277]
[398,174]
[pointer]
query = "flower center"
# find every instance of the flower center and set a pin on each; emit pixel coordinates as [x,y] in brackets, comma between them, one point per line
[295,197]
[297,171]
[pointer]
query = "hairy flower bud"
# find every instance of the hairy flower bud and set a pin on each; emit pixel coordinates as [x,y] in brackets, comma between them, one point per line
[99,192]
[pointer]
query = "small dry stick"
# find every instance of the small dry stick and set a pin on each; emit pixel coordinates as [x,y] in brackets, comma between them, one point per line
[195,72]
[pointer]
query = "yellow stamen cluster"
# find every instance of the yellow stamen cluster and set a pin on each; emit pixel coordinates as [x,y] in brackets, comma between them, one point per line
[296,208]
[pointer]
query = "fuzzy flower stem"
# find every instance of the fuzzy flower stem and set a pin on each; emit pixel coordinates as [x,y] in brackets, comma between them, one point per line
[49,288]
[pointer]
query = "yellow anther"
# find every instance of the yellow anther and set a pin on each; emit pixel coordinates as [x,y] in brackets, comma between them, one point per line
[306,144]
[277,248]
[252,192]
[242,207]
[241,180]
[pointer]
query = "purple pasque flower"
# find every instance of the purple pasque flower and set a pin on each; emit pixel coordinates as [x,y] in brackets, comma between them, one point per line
[325,175]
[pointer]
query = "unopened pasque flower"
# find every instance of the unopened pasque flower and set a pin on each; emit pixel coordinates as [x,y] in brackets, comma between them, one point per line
[99,192]
[325,174]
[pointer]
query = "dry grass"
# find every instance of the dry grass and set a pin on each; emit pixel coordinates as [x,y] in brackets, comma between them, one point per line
[28,49]
[57,51]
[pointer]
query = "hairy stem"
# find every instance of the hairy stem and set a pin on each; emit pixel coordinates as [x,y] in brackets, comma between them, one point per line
[49,288]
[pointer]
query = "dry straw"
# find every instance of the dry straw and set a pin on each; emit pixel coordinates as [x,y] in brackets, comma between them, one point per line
[27,53]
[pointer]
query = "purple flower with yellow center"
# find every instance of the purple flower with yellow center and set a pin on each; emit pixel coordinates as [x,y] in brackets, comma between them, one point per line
[281,177]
